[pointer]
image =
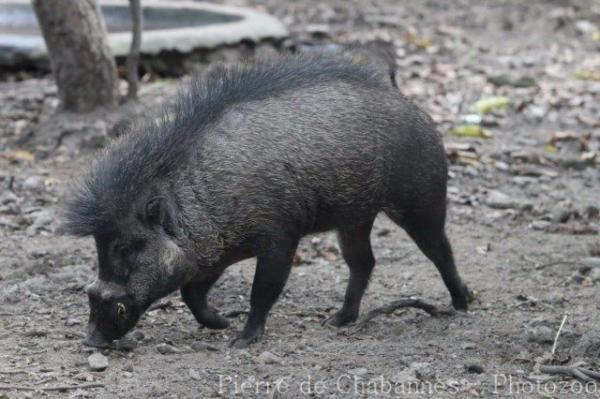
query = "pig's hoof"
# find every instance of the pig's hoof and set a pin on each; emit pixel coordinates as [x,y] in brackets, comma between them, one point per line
[244,340]
[339,319]
[461,303]
[210,318]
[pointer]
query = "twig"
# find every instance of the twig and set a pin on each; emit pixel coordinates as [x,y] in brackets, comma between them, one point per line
[558,333]
[13,372]
[234,313]
[577,372]
[558,262]
[48,389]
[133,59]
[409,302]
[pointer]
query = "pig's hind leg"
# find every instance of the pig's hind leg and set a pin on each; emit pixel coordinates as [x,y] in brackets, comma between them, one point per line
[356,250]
[272,270]
[426,228]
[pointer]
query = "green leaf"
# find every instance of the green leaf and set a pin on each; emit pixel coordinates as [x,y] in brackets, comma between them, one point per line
[487,105]
[471,131]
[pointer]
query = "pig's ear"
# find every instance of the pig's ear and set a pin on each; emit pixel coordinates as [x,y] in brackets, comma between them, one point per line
[159,213]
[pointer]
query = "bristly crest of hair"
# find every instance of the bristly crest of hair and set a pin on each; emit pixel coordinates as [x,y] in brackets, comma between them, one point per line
[157,149]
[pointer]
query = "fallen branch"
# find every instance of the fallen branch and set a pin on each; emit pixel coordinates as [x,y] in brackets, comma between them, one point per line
[133,59]
[13,372]
[49,389]
[409,302]
[576,372]
[558,334]
[558,262]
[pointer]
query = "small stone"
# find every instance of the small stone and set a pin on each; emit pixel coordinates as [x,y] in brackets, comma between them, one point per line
[200,346]
[472,119]
[137,334]
[97,362]
[8,197]
[503,166]
[166,349]
[584,26]
[592,262]
[540,225]
[127,374]
[72,322]
[403,377]
[360,371]
[499,200]
[194,375]
[541,335]
[469,346]
[577,278]
[269,358]
[33,182]
[474,368]
[128,367]
[562,213]
[126,344]
[595,275]
[87,377]
[41,220]
[592,212]
[423,370]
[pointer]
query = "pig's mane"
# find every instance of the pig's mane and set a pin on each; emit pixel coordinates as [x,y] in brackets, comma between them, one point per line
[158,148]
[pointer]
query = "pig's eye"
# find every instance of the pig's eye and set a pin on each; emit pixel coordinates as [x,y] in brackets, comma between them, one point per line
[121,311]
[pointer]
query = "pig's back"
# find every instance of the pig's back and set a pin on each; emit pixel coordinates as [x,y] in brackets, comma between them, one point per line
[319,156]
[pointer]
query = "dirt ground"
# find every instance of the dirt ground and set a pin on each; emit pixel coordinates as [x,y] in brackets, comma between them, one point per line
[523,221]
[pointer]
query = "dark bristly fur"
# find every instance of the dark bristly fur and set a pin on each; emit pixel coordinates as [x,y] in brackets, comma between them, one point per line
[246,162]
[158,148]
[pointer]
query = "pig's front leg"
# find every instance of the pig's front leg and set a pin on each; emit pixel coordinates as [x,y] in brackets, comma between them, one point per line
[194,296]
[272,270]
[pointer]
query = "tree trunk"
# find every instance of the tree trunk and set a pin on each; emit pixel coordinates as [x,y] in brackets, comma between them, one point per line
[82,63]
[133,59]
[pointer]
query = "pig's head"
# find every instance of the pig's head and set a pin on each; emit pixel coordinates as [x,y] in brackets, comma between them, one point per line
[140,259]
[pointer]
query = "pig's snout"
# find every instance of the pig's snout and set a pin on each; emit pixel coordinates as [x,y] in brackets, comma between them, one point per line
[95,338]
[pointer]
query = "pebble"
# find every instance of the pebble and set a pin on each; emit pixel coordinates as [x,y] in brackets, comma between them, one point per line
[194,375]
[137,334]
[474,368]
[423,370]
[41,220]
[269,358]
[541,335]
[473,119]
[499,200]
[72,322]
[200,346]
[126,344]
[97,362]
[166,349]
[592,262]
[404,376]
[595,275]
[577,278]
[592,212]
[562,213]
[540,225]
[33,182]
[360,371]
[8,197]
